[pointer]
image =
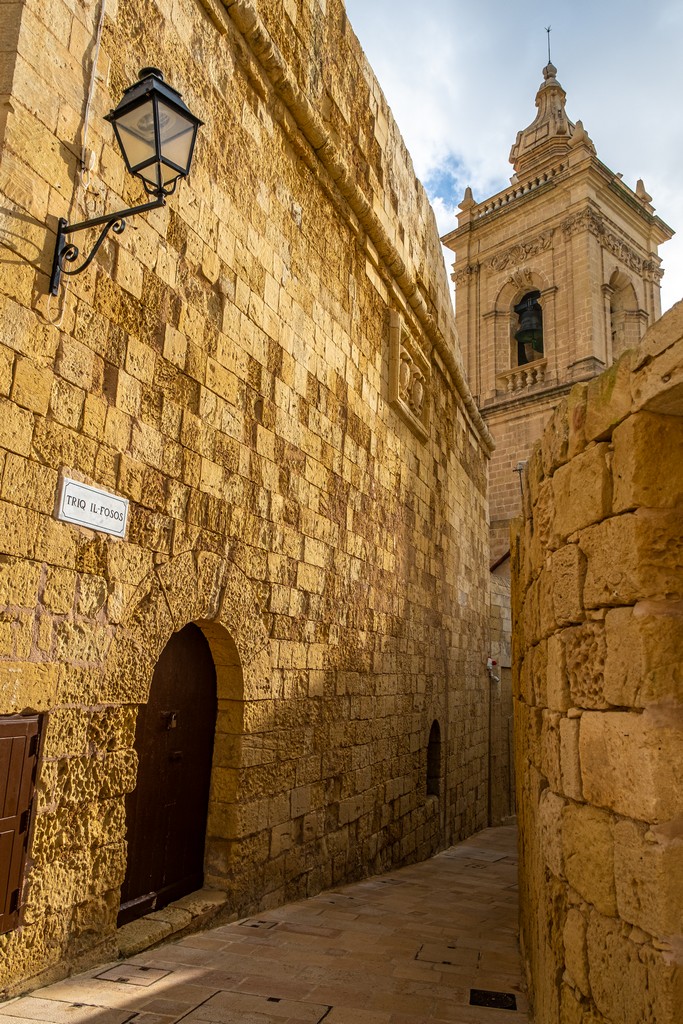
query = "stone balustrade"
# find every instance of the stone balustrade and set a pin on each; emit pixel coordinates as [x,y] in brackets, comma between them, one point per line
[520,378]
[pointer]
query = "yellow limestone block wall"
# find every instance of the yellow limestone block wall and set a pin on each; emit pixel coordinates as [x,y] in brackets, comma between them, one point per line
[224,364]
[597,636]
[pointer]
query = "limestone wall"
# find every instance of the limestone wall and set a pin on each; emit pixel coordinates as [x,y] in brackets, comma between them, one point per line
[226,364]
[598,634]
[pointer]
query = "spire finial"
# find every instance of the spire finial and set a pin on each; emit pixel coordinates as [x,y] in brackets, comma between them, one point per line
[548,30]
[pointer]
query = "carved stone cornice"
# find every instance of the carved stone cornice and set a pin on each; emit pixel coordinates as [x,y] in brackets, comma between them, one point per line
[521,252]
[588,220]
[466,274]
[652,271]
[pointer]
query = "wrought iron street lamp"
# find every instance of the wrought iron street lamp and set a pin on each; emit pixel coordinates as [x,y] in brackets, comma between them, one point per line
[156,133]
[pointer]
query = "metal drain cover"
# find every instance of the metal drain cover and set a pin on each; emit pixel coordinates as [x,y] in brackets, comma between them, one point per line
[252,923]
[495,1000]
[134,974]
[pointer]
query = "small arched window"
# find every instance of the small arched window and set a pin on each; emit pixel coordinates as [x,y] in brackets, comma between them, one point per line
[434,760]
[623,309]
[529,332]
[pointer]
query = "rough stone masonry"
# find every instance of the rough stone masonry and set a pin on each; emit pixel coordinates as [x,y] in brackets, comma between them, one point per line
[597,640]
[267,369]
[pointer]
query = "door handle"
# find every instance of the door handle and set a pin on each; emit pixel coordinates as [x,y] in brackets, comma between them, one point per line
[171,719]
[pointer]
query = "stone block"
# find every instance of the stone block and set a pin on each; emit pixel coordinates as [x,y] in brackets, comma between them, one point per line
[568,570]
[648,868]
[537,659]
[16,427]
[647,466]
[132,938]
[575,950]
[634,556]
[550,811]
[27,482]
[550,749]
[66,733]
[19,582]
[27,686]
[32,386]
[544,514]
[66,403]
[576,415]
[557,680]
[570,761]
[630,983]
[643,645]
[588,853]
[582,492]
[608,399]
[633,763]
[555,439]
[585,650]
[658,379]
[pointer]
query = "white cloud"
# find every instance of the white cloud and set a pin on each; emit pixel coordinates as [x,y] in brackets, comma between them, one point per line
[461,80]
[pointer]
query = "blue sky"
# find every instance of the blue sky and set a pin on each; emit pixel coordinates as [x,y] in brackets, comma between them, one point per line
[462,79]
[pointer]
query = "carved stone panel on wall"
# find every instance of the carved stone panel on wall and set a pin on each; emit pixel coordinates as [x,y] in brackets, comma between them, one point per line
[409,377]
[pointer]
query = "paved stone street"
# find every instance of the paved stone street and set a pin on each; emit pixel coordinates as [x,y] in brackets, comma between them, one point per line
[403,948]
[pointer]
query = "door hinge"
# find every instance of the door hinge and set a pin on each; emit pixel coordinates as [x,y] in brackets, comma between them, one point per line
[14,902]
[33,745]
[25,820]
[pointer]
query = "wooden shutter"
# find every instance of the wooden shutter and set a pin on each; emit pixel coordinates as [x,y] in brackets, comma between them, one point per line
[18,758]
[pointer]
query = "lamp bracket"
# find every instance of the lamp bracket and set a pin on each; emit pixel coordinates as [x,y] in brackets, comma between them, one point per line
[67,252]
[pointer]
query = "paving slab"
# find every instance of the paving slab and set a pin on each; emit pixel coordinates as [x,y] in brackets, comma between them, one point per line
[405,948]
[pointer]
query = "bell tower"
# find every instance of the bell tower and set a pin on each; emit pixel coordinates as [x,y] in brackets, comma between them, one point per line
[555,277]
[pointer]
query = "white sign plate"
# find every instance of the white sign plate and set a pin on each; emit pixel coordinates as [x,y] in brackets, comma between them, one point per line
[91,507]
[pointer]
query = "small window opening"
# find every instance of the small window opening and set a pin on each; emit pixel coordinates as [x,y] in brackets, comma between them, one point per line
[529,335]
[434,760]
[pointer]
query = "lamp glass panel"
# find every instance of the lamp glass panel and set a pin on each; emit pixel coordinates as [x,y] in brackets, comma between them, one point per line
[177,135]
[136,132]
[150,174]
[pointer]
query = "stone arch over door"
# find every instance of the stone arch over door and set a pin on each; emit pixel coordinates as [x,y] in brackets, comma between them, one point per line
[212,593]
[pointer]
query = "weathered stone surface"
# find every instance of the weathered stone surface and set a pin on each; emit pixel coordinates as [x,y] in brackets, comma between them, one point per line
[582,492]
[557,692]
[575,949]
[588,855]
[551,808]
[608,399]
[555,440]
[568,568]
[585,662]
[646,462]
[633,763]
[223,366]
[631,983]
[27,686]
[648,871]
[658,378]
[570,762]
[634,556]
[642,663]
[615,644]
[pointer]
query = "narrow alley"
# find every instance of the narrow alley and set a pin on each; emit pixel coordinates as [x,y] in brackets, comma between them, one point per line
[435,941]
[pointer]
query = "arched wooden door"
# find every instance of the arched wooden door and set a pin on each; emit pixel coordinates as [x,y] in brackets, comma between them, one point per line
[166,812]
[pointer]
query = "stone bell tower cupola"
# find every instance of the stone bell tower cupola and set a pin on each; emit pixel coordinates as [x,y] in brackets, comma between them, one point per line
[555,276]
[546,140]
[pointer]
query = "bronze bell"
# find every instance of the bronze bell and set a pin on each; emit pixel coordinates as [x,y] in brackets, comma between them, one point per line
[530,321]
